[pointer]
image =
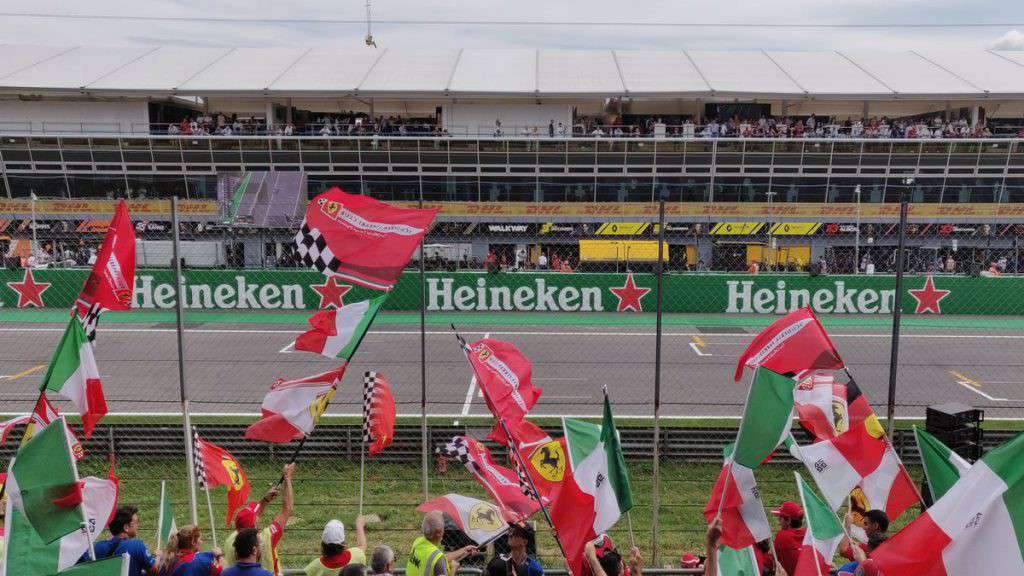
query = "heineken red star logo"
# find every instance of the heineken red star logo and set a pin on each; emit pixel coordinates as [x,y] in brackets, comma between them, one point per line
[30,292]
[331,292]
[630,295]
[928,298]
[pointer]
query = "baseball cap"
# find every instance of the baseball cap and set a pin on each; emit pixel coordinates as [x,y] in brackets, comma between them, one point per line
[689,561]
[334,533]
[789,510]
[247,516]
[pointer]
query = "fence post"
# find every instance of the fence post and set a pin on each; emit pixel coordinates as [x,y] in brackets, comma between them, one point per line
[182,384]
[656,468]
[424,441]
[897,316]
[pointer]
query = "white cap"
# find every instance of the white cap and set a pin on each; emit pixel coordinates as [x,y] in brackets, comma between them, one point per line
[334,533]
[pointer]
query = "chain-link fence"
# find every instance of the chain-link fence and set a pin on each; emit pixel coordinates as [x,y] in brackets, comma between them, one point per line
[578,294]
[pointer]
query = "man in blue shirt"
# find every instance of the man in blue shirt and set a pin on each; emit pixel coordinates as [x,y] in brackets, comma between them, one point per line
[247,551]
[517,562]
[124,529]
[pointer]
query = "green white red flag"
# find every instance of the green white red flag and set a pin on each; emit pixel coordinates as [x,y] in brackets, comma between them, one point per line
[942,467]
[338,333]
[822,536]
[736,500]
[74,376]
[977,527]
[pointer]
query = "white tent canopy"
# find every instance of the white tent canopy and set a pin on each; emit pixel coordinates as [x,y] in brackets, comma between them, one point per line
[509,73]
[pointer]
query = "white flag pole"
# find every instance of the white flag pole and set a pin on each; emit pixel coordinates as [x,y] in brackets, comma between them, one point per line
[209,506]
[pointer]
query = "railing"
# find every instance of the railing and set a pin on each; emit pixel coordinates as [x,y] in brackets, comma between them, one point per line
[744,130]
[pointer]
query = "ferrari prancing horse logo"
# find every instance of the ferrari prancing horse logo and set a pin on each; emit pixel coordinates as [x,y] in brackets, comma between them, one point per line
[549,461]
[233,472]
[319,406]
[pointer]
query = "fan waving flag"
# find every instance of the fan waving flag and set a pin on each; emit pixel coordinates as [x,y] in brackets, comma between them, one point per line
[503,374]
[112,280]
[823,534]
[360,239]
[942,467]
[500,482]
[43,484]
[215,466]
[977,527]
[292,408]
[736,500]
[600,492]
[792,343]
[480,521]
[378,413]
[337,333]
[73,374]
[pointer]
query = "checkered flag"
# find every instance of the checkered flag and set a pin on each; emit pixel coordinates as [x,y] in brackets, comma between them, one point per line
[312,248]
[369,383]
[197,459]
[458,449]
[90,319]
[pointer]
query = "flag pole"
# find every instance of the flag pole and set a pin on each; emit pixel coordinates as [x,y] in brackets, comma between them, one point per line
[533,488]
[209,506]
[656,456]
[160,515]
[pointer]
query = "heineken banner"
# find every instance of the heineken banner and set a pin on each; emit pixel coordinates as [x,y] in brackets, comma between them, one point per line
[533,292]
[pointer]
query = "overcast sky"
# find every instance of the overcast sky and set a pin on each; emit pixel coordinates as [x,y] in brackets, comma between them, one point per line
[70,32]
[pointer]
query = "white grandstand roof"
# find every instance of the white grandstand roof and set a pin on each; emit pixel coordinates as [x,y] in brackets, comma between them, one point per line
[510,73]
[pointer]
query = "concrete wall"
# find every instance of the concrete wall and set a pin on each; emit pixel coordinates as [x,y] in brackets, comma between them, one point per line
[479,118]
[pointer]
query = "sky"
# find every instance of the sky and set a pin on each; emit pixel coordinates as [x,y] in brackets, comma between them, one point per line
[1008,35]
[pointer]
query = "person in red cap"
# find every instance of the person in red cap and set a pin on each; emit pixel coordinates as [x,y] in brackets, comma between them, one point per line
[249,517]
[790,537]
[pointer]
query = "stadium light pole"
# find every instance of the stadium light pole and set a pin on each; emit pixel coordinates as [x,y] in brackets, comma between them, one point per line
[897,311]
[182,383]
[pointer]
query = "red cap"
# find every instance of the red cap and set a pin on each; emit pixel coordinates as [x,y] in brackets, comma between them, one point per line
[789,510]
[689,561]
[247,516]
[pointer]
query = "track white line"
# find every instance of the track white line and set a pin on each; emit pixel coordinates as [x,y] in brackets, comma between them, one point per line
[693,345]
[526,333]
[979,392]
[469,392]
[288,349]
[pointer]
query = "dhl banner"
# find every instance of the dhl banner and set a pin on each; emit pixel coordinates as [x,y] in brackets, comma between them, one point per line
[45,208]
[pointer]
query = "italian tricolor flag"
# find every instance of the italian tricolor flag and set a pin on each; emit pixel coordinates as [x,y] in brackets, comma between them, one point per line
[737,562]
[599,492]
[766,422]
[73,375]
[942,467]
[337,333]
[977,527]
[822,536]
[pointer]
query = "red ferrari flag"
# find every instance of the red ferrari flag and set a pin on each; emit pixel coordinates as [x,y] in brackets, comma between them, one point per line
[546,458]
[215,466]
[293,408]
[500,482]
[792,343]
[360,239]
[378,413]
[112,280]
[503,374]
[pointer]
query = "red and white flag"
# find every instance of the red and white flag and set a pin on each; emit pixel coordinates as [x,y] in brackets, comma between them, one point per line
[736,500]
[42,415]
[818,399]
[500,482]
[292,408]
[795,342]
[503,374]
[546,458]
[112,280]
[378,413]
[6,427]
[216,466]
[861,456]
[360,239]
[481,521]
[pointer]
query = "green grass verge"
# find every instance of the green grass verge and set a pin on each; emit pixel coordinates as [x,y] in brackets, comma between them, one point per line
[328,488]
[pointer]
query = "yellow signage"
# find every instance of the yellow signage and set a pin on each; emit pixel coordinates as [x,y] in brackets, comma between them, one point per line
[620,250]
[736,228]
[621,228]
[795,228]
